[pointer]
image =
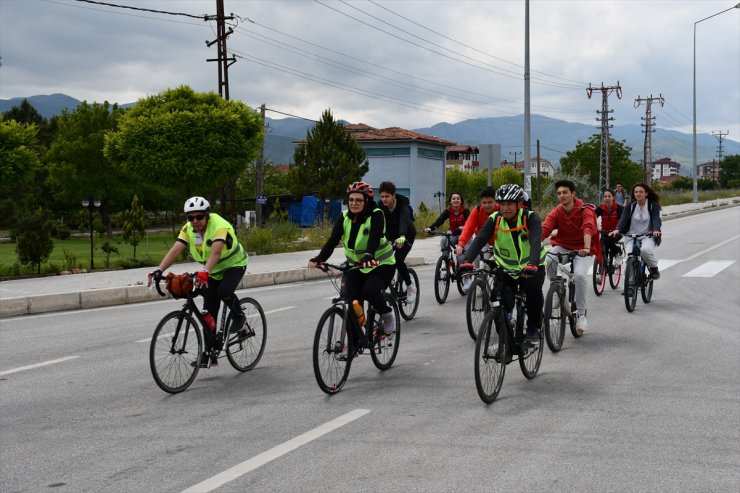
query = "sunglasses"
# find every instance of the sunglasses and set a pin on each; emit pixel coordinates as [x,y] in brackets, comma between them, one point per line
[197,217]
[355,201]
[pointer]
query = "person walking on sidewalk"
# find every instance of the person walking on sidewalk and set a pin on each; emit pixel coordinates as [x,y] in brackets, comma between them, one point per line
[211,240]
[361,229]
[577,232]
[640,216]
[400,230]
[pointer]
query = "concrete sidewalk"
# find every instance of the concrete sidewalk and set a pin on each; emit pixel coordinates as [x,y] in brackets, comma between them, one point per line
[106,288]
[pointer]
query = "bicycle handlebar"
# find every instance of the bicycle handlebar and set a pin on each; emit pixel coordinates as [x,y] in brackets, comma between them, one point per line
[560,256]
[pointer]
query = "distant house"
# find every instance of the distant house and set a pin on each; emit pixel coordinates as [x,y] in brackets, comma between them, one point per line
[664,168]
[709,170]
[463,157]
[414,162]
[546,167]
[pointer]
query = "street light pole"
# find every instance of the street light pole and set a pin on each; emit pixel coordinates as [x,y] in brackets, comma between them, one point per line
[694,170]
[89,204]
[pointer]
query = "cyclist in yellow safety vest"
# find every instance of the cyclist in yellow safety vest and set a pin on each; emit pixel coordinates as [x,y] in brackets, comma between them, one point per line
[517,245]
[361,229]
[211,241]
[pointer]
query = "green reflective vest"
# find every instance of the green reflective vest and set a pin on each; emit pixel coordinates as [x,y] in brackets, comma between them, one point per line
[232,254]
[504,249]
[384,253]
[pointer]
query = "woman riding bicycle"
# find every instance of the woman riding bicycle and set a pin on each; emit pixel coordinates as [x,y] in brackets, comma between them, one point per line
[457,214]
[517,245]
[610,213]
[640,216]
[211,241]
[361,229]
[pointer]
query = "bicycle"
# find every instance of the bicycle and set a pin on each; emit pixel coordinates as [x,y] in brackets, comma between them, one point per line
[407,310]
[477,303]
[501,340]
[447,271]
[558,309]
[340,338]
[610,266]
[177,344]
[636,274]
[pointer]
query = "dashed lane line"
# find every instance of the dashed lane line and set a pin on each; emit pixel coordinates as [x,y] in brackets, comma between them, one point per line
[710,269]
[37,365]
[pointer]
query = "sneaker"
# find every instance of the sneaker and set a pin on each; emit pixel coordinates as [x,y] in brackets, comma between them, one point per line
[389,322]
[340,351]
[654,273]
[411,294]
[467,281]
[204,361]
[581,325]
[239,326]
[533,336]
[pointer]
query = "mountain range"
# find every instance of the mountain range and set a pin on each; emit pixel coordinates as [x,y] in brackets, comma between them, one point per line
[556,136]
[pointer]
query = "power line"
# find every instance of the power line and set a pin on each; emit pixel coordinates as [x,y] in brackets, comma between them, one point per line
[202,17]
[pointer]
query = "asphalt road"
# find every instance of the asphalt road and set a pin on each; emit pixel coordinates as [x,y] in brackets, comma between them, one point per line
[647,401]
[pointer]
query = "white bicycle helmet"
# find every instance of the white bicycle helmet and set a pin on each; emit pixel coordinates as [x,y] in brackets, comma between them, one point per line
[509,192]
[197,204]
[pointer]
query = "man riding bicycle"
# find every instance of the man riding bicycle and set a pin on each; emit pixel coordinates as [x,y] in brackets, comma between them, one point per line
[361,229]
[400,231]
[577,232]
[517,245]
[211,241]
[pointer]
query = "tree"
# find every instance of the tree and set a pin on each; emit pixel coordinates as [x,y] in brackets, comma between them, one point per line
[134,223]
[470,184]
[586,158]
[34,240]
[19,159]
[328,161]
[729,172]
[78,168]
[192,143]
[26,114]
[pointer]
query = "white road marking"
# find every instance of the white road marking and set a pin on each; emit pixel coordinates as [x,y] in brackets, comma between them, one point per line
[266,313]
[710,269]
[665,263]
[257,461]
[37,365]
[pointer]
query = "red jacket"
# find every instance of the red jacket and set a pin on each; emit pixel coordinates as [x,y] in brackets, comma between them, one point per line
[609,217]
[475,222]
[571,227]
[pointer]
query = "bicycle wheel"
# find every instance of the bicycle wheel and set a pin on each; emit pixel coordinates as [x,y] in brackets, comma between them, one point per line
[245,352]
[408,310]
[530,359]
[331,356]
[554,319]
[176,343]
[490,358]
[599,276]
[572,304]
[646,289]
[385,349]
[631,274]
[463,282]
[615,273]
[441,280]
[476,306]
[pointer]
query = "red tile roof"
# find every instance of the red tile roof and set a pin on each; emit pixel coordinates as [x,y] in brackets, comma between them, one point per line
[395,133]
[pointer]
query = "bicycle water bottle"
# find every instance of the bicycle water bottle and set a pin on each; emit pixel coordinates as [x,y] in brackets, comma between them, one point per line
[359,312]
[210,322]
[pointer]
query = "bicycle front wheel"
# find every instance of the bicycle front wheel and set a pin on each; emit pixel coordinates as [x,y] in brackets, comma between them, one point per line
[476,306]
[572,304]
[490,358]
[441,280]
[646,290]
[615,273]
[599,276]
[530,359]
[332,356]
[176,344]
[463,281]
[385,346]
[244,352]
[631,275]
[554,319]
[408,310]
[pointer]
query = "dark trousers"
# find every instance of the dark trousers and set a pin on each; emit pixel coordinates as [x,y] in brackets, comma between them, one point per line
[370,286]
[609,244]
[401,254]
[222,290]
[532,287]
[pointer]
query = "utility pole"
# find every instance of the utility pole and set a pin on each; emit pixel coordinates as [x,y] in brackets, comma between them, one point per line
[514,154]
[223,86]
[539,164]
[647,159]
[605,119]
[720,149]
[259,184]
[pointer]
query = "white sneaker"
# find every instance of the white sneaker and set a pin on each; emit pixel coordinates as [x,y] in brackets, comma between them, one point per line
[467,281]
[389,322]
[411,294]
[581,324]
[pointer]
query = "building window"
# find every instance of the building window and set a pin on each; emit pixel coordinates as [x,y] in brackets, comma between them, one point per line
[430,154]
[388,151]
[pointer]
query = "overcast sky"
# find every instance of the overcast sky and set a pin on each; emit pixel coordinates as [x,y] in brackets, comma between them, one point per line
[389,62]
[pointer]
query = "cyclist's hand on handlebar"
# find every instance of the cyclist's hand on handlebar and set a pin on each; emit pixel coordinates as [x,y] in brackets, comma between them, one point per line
[201,278]
[154,275]
[368,261]
[428,230]
[584,252]
[657,233]
[529,271]
[458,250]
[314,263]
[400,241]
